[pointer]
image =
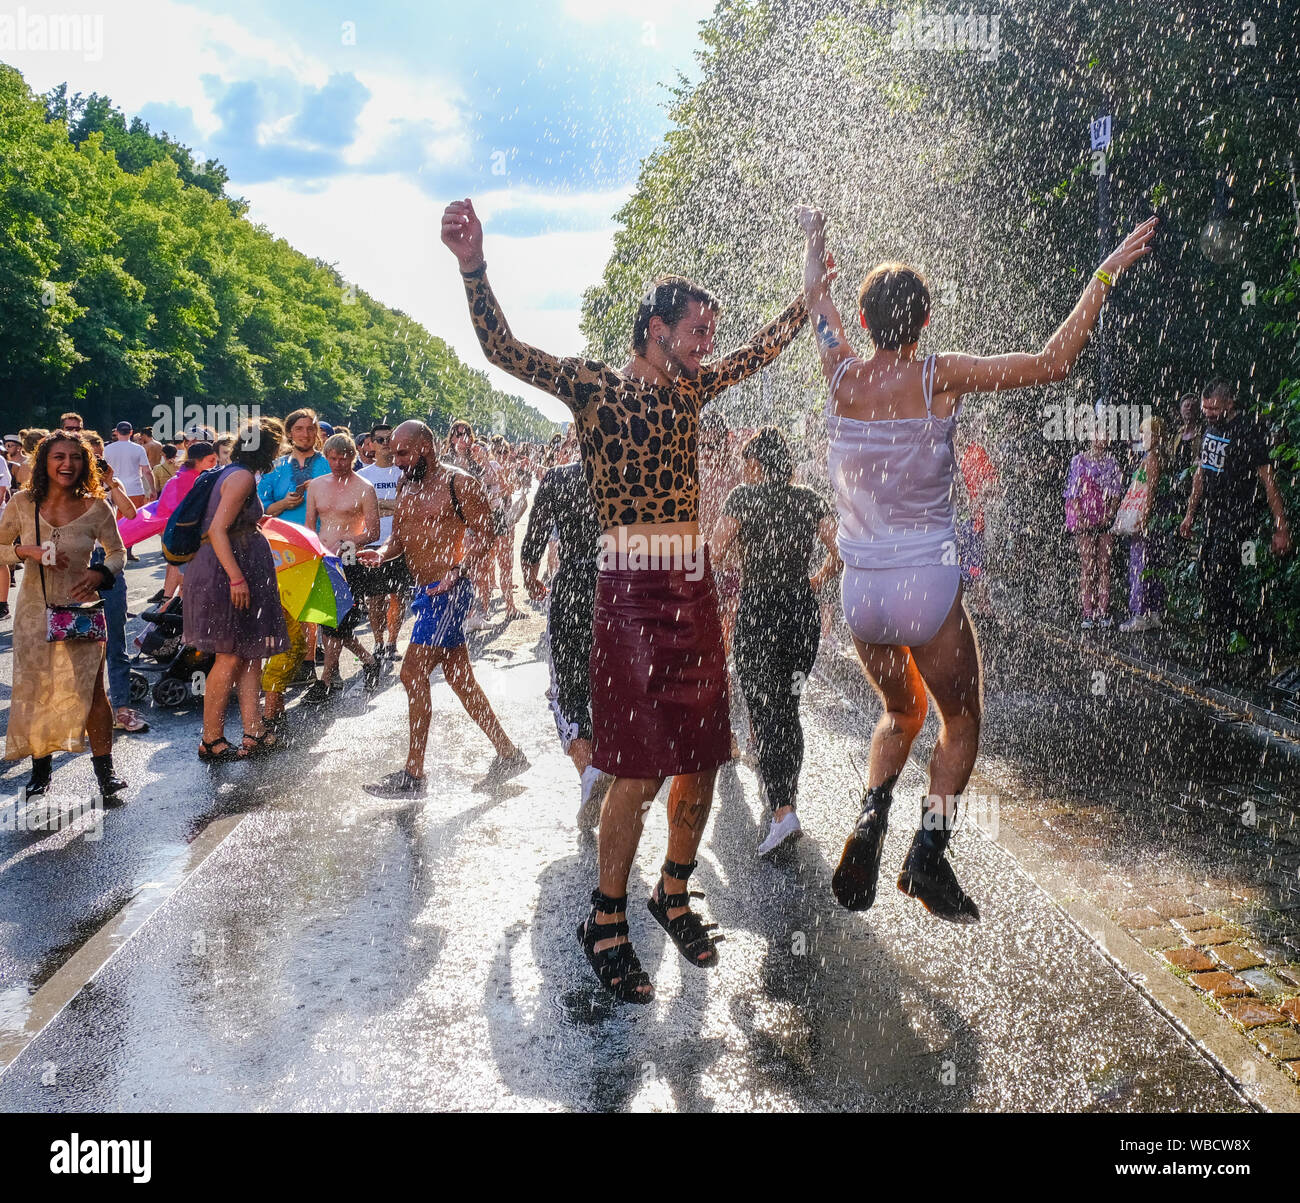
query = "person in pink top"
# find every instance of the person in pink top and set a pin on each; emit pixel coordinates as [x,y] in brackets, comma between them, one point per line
[1093,491]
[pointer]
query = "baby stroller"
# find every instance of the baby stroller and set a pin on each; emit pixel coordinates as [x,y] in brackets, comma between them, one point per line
[183,668]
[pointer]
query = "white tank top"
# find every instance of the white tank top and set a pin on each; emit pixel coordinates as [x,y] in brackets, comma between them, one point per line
[893,482]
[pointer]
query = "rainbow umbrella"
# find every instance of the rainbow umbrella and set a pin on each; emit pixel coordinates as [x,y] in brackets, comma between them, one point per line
[311,581]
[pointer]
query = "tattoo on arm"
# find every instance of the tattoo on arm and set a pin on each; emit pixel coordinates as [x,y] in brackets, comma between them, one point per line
[825,335]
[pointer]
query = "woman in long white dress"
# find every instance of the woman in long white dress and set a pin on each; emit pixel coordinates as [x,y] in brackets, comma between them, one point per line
[58,699]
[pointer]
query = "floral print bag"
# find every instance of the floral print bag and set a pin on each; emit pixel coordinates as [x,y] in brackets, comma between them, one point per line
[85,624]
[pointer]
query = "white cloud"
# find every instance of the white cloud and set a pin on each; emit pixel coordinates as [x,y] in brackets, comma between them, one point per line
[401,104]
[383,233]
[159,51]
[381,230]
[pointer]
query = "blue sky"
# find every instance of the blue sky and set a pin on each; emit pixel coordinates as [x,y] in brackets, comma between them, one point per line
[349,126]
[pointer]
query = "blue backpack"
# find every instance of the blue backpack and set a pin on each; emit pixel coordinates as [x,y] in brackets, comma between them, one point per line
[184,534]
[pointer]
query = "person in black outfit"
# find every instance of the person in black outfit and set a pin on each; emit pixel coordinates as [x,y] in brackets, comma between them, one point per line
[1233,474]
[774,525]
[564,503]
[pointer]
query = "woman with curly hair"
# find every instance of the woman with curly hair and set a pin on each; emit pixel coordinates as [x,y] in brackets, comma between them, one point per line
[232,600]
[58,694]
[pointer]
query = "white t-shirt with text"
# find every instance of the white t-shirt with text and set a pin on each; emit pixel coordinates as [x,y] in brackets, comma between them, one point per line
[385,482]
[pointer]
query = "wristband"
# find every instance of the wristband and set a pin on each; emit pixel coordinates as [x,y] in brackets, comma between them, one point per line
[241,581]
[1105,277]
[477,272]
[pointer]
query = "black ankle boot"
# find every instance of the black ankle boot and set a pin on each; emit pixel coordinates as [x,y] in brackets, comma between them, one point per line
[928,876]
[39,781]
[110,785]
[854,881]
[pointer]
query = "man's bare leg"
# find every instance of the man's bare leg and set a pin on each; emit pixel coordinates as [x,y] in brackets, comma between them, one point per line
[690,798]
[354,645]
[377,611]
[416,669]
[459,674]
[333,650]
[622,818]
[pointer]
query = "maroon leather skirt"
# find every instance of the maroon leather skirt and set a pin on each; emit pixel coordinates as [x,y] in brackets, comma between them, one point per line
[659,702]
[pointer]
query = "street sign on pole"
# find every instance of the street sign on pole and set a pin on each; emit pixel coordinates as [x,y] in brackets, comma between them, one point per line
[1099,132]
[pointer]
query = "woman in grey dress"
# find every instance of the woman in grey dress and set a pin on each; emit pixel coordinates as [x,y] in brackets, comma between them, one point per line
[232,601]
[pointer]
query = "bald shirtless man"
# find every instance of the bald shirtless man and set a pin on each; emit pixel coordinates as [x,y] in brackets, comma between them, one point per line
[343,510]
[436,505]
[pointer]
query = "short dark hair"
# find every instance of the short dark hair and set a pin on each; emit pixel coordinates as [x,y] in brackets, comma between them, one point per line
[894,301]
[378,426]
[169,451]
[667,299]
[1220,386]
[769,449]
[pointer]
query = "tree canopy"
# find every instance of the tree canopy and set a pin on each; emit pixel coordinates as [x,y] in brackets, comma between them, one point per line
[128,277]
[965,151]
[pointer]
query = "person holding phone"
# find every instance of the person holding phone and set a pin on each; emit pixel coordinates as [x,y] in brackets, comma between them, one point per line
[283,490]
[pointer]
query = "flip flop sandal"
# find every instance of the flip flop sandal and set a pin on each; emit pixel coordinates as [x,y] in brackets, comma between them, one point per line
[208,752]
[268,741]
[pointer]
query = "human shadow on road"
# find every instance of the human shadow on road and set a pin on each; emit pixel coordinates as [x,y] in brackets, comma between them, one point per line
[582,1048]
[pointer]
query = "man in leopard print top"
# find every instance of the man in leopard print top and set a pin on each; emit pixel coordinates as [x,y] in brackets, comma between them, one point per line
[658,669]
[637,427]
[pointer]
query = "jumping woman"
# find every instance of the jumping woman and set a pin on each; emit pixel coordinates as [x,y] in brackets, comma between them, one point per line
[891,420]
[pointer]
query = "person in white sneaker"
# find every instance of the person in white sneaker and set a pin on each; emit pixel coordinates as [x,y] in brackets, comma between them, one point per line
[564,502]
[773,526]
[435,508]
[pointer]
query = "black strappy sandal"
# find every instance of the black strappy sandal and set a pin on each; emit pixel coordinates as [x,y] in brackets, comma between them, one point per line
[268,741]
[208,751]
[690,935]
[619,962]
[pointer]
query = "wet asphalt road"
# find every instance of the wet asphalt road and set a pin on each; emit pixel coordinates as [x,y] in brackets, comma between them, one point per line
[337,951]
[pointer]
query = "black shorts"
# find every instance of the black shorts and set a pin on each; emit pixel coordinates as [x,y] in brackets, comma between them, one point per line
[367,581]
[378,580]
[393,576]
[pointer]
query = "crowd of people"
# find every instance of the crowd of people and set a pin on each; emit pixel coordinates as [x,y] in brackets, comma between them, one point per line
[670,551]
[74,684]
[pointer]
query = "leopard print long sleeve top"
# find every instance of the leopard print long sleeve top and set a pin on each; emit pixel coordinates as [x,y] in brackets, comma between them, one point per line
[637,438]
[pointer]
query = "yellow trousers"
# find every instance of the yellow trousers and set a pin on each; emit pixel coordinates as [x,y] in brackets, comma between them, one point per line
[279,671]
